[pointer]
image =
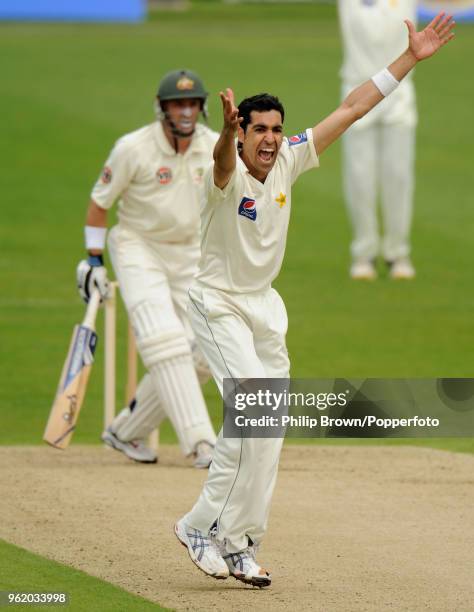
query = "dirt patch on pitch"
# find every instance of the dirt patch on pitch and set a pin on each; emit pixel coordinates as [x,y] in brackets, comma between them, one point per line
[353,528]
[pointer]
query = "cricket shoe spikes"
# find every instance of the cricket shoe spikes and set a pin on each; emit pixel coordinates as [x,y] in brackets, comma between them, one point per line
[135,449]
[202,549]
[243,566]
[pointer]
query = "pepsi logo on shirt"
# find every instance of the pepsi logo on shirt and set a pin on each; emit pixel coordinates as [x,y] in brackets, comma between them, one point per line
[298,139]
[248,208]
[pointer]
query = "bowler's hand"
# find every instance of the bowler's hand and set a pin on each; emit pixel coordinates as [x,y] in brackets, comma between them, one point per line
[230,111]
[426,43]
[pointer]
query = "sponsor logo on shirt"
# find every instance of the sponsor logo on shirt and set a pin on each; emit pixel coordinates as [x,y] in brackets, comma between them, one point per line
[248,208]
[298,139]
[164,175]
[106,175]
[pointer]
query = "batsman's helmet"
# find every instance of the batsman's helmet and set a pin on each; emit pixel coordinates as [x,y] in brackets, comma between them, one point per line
[181,85]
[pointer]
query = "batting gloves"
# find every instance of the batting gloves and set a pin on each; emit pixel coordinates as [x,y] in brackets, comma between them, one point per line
[91,273]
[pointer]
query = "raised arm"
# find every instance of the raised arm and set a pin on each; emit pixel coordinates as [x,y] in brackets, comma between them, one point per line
[224,152]
[361,100]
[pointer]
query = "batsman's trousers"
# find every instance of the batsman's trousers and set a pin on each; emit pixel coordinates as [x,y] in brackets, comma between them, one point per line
[154,280]
[241,336]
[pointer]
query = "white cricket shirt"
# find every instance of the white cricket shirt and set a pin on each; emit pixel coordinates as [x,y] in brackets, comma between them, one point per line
[159,190]
[374,35]
[244,225]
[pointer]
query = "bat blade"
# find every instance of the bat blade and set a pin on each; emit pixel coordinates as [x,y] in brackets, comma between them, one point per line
[73,382]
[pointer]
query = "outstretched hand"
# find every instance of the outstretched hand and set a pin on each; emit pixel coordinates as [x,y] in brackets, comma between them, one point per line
[426,43]
[230,111]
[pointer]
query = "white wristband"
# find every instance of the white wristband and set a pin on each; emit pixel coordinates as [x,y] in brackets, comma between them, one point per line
[95,237]
[385,82]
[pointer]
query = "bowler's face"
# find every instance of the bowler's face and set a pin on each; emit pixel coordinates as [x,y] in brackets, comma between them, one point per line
[261,142]
[184,114]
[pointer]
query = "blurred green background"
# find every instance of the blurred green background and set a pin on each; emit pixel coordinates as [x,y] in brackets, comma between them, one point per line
[67,92]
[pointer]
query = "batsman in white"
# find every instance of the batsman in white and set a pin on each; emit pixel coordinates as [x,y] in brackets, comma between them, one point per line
[156,172]
[239,319]
[378,150]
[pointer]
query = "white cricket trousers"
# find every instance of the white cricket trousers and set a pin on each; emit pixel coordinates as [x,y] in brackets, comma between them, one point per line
[241,336]
[154,279]
[377,159]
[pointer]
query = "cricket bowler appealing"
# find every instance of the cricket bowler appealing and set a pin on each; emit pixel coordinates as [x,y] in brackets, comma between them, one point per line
[379,150]
[239,319]
[156,173]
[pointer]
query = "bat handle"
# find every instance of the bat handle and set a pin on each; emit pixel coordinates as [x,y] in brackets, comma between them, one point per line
[92,308]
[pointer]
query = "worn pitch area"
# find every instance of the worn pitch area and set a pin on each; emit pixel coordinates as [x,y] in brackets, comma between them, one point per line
[351,528]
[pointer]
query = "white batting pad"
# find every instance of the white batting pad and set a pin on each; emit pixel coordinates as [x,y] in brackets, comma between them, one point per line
[146,415]
[178,389]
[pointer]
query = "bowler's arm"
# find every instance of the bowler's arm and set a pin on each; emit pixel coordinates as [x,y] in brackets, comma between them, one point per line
[225,156]
[361,100]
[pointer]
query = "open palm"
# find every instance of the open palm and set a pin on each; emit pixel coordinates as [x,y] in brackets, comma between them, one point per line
[436,34]
[230,111]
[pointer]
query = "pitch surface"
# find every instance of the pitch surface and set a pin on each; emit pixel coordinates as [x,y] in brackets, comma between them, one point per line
[351,528]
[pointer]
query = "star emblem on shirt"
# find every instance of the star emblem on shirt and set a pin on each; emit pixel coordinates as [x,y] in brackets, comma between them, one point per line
[281,200]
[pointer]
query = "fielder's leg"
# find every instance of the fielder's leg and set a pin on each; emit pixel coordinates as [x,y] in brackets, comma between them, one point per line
[360,188]
[397,184]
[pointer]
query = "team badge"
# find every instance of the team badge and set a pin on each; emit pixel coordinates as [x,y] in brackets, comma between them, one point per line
[106,175]
[281,200]
[164,175]
[298,139]
[185,83]
[248,208]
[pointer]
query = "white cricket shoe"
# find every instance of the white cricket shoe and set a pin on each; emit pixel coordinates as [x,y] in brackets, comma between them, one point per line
[402,269]
[243,566]
[202,549]
[202,455]
[363,269]
[135,449]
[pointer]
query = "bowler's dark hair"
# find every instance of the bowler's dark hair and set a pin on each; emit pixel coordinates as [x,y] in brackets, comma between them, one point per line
[260,103]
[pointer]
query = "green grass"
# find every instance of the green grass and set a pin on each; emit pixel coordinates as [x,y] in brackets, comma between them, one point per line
[22,571]
[67,92]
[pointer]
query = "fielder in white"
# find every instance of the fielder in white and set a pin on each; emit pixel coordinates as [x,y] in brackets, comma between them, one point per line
[378,151]
[239,319]
[156,173]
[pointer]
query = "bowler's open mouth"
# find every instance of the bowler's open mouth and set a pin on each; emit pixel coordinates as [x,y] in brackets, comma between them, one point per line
[266,155]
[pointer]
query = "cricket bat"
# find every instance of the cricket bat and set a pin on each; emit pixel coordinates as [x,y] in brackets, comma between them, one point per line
[73,382]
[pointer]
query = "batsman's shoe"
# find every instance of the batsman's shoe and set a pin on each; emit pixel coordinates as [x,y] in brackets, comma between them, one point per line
[203,455]
[363,269]
[134,449]
[243,566]
[202,549]
[402,269]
